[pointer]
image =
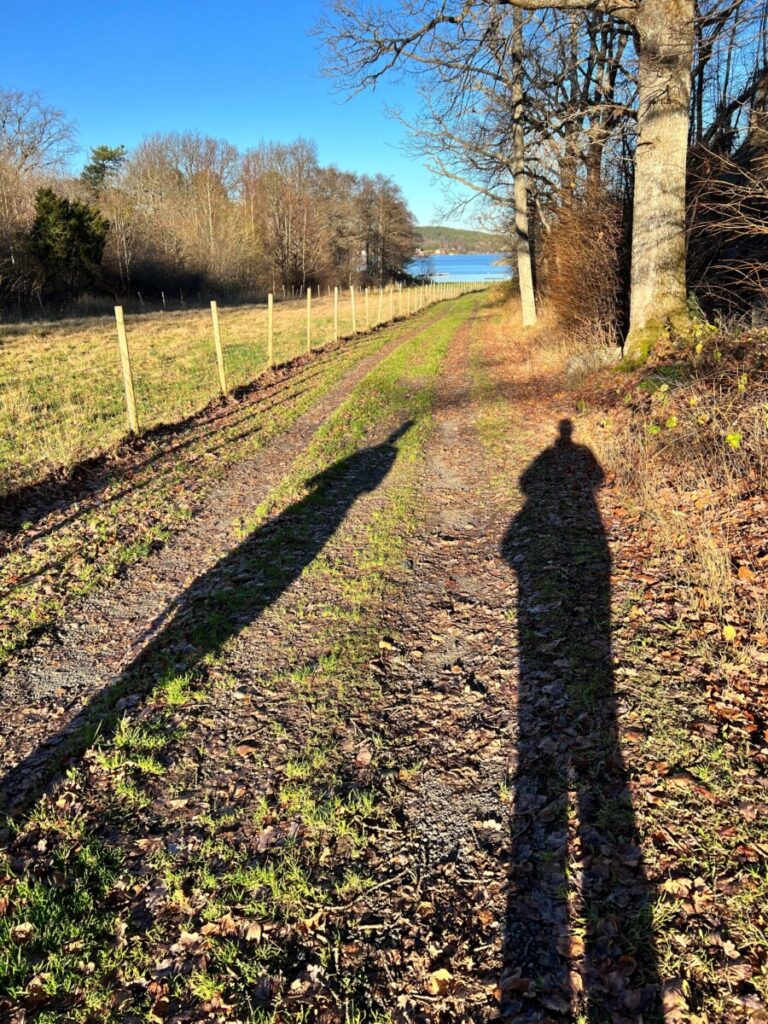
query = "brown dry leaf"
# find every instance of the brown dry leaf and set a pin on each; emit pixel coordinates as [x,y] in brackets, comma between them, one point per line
[677,886]
[120,931]
[634,734]
[227,925]
[246,748]
[23,932]
[36,994]
[673,1001]
[570,945]
[187,940]
[315,923]
[364,757]
[438,981]
[266,838]
[216,1002]
[485,916]
[252,931]
[686,779]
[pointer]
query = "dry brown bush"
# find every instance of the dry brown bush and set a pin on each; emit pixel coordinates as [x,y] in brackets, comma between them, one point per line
[582,269]
[727,232]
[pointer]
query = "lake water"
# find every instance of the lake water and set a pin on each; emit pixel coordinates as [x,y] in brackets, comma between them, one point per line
[473,267]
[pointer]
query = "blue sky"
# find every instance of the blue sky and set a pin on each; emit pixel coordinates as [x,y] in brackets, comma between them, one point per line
[243,70]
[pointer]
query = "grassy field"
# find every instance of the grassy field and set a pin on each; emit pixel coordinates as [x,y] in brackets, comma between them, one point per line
[61,392]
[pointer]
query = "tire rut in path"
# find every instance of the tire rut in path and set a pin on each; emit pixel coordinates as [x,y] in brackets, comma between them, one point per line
[47,686]
[449,712]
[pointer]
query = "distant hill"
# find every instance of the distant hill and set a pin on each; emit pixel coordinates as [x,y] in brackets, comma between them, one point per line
[461,240]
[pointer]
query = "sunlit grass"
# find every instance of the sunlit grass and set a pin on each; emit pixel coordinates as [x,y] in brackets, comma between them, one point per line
[61,389]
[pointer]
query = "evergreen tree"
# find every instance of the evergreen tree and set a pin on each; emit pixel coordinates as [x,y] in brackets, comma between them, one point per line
[67,239]
[104,164]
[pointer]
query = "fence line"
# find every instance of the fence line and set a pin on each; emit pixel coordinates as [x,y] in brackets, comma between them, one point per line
[415,299]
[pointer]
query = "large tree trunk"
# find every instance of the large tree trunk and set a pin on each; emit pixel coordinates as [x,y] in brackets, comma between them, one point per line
[522,226]
[665,33]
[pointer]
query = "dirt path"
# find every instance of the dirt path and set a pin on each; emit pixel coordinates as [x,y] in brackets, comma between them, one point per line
[46,687]
[449,709]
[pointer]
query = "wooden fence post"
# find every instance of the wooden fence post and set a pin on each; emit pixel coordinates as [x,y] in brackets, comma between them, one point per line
[352,302]
[219,350]
[367,314]
[336,313]
[391,303]
[125,361]
[309,319]
[400,300]
[270,331]
[381,300]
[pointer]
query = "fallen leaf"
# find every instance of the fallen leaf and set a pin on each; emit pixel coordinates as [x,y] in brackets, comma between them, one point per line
[438,982]
[23,932]
[673,1001]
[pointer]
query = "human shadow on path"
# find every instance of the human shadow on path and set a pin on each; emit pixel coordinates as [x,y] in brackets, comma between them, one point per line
[218,605]
[579,943]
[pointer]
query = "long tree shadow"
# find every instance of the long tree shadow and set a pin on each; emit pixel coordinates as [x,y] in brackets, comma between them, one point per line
[579,942]
[217,606]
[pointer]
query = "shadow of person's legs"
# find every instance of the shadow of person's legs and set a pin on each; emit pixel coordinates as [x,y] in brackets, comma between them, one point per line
[578,933]
[218,605]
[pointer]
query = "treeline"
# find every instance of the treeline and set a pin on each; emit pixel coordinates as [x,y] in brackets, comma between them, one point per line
[625,146]
[184,213]
[459,240]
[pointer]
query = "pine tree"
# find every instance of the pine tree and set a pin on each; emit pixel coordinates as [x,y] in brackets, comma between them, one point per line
[104,164]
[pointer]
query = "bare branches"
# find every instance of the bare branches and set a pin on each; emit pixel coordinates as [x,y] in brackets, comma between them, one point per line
[33,135]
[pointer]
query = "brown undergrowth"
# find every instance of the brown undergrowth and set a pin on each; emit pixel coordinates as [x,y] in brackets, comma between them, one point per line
[682,444]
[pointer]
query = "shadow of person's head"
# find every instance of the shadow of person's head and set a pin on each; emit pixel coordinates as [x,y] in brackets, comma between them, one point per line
[565,432]
[564,472]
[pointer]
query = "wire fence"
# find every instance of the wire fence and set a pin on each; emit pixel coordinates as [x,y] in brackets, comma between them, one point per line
[70,389]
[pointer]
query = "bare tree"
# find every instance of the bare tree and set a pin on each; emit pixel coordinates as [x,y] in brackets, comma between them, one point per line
[366,43]
[36,141]
[33,135]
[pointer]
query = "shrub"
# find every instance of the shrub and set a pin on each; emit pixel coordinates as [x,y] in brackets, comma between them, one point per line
[67,239]
[584,268]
